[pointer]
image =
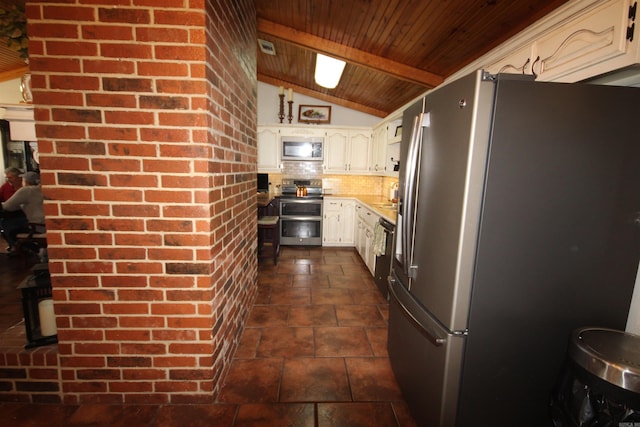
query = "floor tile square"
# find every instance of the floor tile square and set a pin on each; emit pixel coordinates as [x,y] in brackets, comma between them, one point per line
[193,416]
[268,315]
[356,415]
[326,269]
[293,268]
[292,296]
[252,381]
[378,340]
[314,380]
[274,280]
[313,315]
[310,281]
[359,315]
[331,296]
[279,414]
[368,297]
[342,342]
[348,281]
[286,342]
[372,379]
[248,343]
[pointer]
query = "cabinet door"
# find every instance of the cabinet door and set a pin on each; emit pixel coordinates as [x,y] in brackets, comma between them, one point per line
[598,36]
[331,222]
[268,149]
[517,61]
[379,150]
[336,151]
[347,219]
[359,146]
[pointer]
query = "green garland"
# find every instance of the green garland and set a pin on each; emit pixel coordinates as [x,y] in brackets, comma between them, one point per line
[13,26]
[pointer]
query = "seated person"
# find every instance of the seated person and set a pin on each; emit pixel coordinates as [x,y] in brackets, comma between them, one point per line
[29,199]
[12,183]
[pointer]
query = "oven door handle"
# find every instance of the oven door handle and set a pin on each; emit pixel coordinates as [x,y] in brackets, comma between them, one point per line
[300,218]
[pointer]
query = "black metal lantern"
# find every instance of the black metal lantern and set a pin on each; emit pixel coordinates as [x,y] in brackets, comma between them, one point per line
[37,306]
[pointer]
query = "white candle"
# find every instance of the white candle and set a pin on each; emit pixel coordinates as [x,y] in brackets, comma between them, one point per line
[47,318]
[281,90]
[290,94]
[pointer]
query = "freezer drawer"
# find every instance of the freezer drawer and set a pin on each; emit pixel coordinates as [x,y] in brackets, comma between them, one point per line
[425,359]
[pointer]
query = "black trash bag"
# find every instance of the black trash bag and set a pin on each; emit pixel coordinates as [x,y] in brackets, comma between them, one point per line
[582,400]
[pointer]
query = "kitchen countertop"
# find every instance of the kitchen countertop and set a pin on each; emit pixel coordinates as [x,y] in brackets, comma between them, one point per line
[373,202]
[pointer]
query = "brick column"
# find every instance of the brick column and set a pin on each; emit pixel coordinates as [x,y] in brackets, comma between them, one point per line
[146,125]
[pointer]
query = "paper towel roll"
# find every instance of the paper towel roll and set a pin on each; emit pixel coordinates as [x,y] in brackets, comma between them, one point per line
[47,318]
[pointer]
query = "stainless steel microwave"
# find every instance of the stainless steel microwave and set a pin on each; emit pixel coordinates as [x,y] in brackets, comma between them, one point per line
[302,148]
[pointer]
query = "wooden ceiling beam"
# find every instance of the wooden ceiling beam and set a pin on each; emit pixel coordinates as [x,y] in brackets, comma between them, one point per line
[322,96]
[13,74]
[351,55]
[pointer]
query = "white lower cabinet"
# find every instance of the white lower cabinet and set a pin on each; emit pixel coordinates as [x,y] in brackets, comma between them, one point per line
[365,223]
[338,222]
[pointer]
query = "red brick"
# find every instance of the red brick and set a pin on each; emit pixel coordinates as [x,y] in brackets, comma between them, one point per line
[130,16]
[68,13]
[44,30]
[118,165]
[71,48]
[118,195]
[126,50]
[74,82]
[139,268]
[162,34]
[163,69]
[113,133]
[100,66]
[107,32]
[164,134]
[133,149]
[129,117]
[111,100]
[174,17]
[110,224]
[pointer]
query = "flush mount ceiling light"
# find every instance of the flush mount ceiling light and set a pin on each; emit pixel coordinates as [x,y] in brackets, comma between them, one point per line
[266,47]
[328,71]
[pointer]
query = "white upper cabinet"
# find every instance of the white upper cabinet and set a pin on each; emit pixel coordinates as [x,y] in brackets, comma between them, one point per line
[379,150]
[347,151]
[589,45]
[268,149]
[587,39]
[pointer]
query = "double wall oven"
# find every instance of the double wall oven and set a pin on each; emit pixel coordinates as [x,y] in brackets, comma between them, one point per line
[301,212]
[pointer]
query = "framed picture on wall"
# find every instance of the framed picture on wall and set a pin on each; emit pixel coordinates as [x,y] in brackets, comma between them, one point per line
[314,114]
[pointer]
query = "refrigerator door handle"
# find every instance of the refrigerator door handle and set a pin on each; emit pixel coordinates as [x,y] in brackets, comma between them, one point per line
[410,194]
[427,326]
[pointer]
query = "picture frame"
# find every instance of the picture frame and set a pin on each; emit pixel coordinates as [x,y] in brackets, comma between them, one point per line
[314,114]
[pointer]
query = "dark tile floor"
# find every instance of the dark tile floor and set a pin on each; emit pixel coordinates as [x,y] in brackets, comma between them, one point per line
[313,353]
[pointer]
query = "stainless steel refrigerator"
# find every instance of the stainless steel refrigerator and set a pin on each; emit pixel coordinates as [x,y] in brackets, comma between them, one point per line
[518,222]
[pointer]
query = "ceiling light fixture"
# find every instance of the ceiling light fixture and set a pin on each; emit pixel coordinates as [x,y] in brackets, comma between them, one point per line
[328,71]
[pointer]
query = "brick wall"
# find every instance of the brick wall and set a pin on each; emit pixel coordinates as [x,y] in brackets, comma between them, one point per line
[146,119]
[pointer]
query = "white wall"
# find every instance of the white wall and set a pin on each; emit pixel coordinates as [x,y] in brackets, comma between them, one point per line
[269,105]
[10,92]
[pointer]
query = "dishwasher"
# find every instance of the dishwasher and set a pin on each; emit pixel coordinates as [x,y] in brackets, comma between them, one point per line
[383,261]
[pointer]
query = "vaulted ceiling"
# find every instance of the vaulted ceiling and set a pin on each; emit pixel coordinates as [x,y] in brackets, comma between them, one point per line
[395,49]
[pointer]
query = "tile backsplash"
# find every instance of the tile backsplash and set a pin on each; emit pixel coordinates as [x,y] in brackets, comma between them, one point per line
[333,184]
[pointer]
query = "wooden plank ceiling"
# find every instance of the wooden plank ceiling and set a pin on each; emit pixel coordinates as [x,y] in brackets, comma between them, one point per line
[395,49]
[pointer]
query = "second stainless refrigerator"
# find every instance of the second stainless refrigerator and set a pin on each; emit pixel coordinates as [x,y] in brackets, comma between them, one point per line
[517,224]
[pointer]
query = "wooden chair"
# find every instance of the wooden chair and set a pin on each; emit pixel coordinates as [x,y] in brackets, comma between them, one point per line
[269,232]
